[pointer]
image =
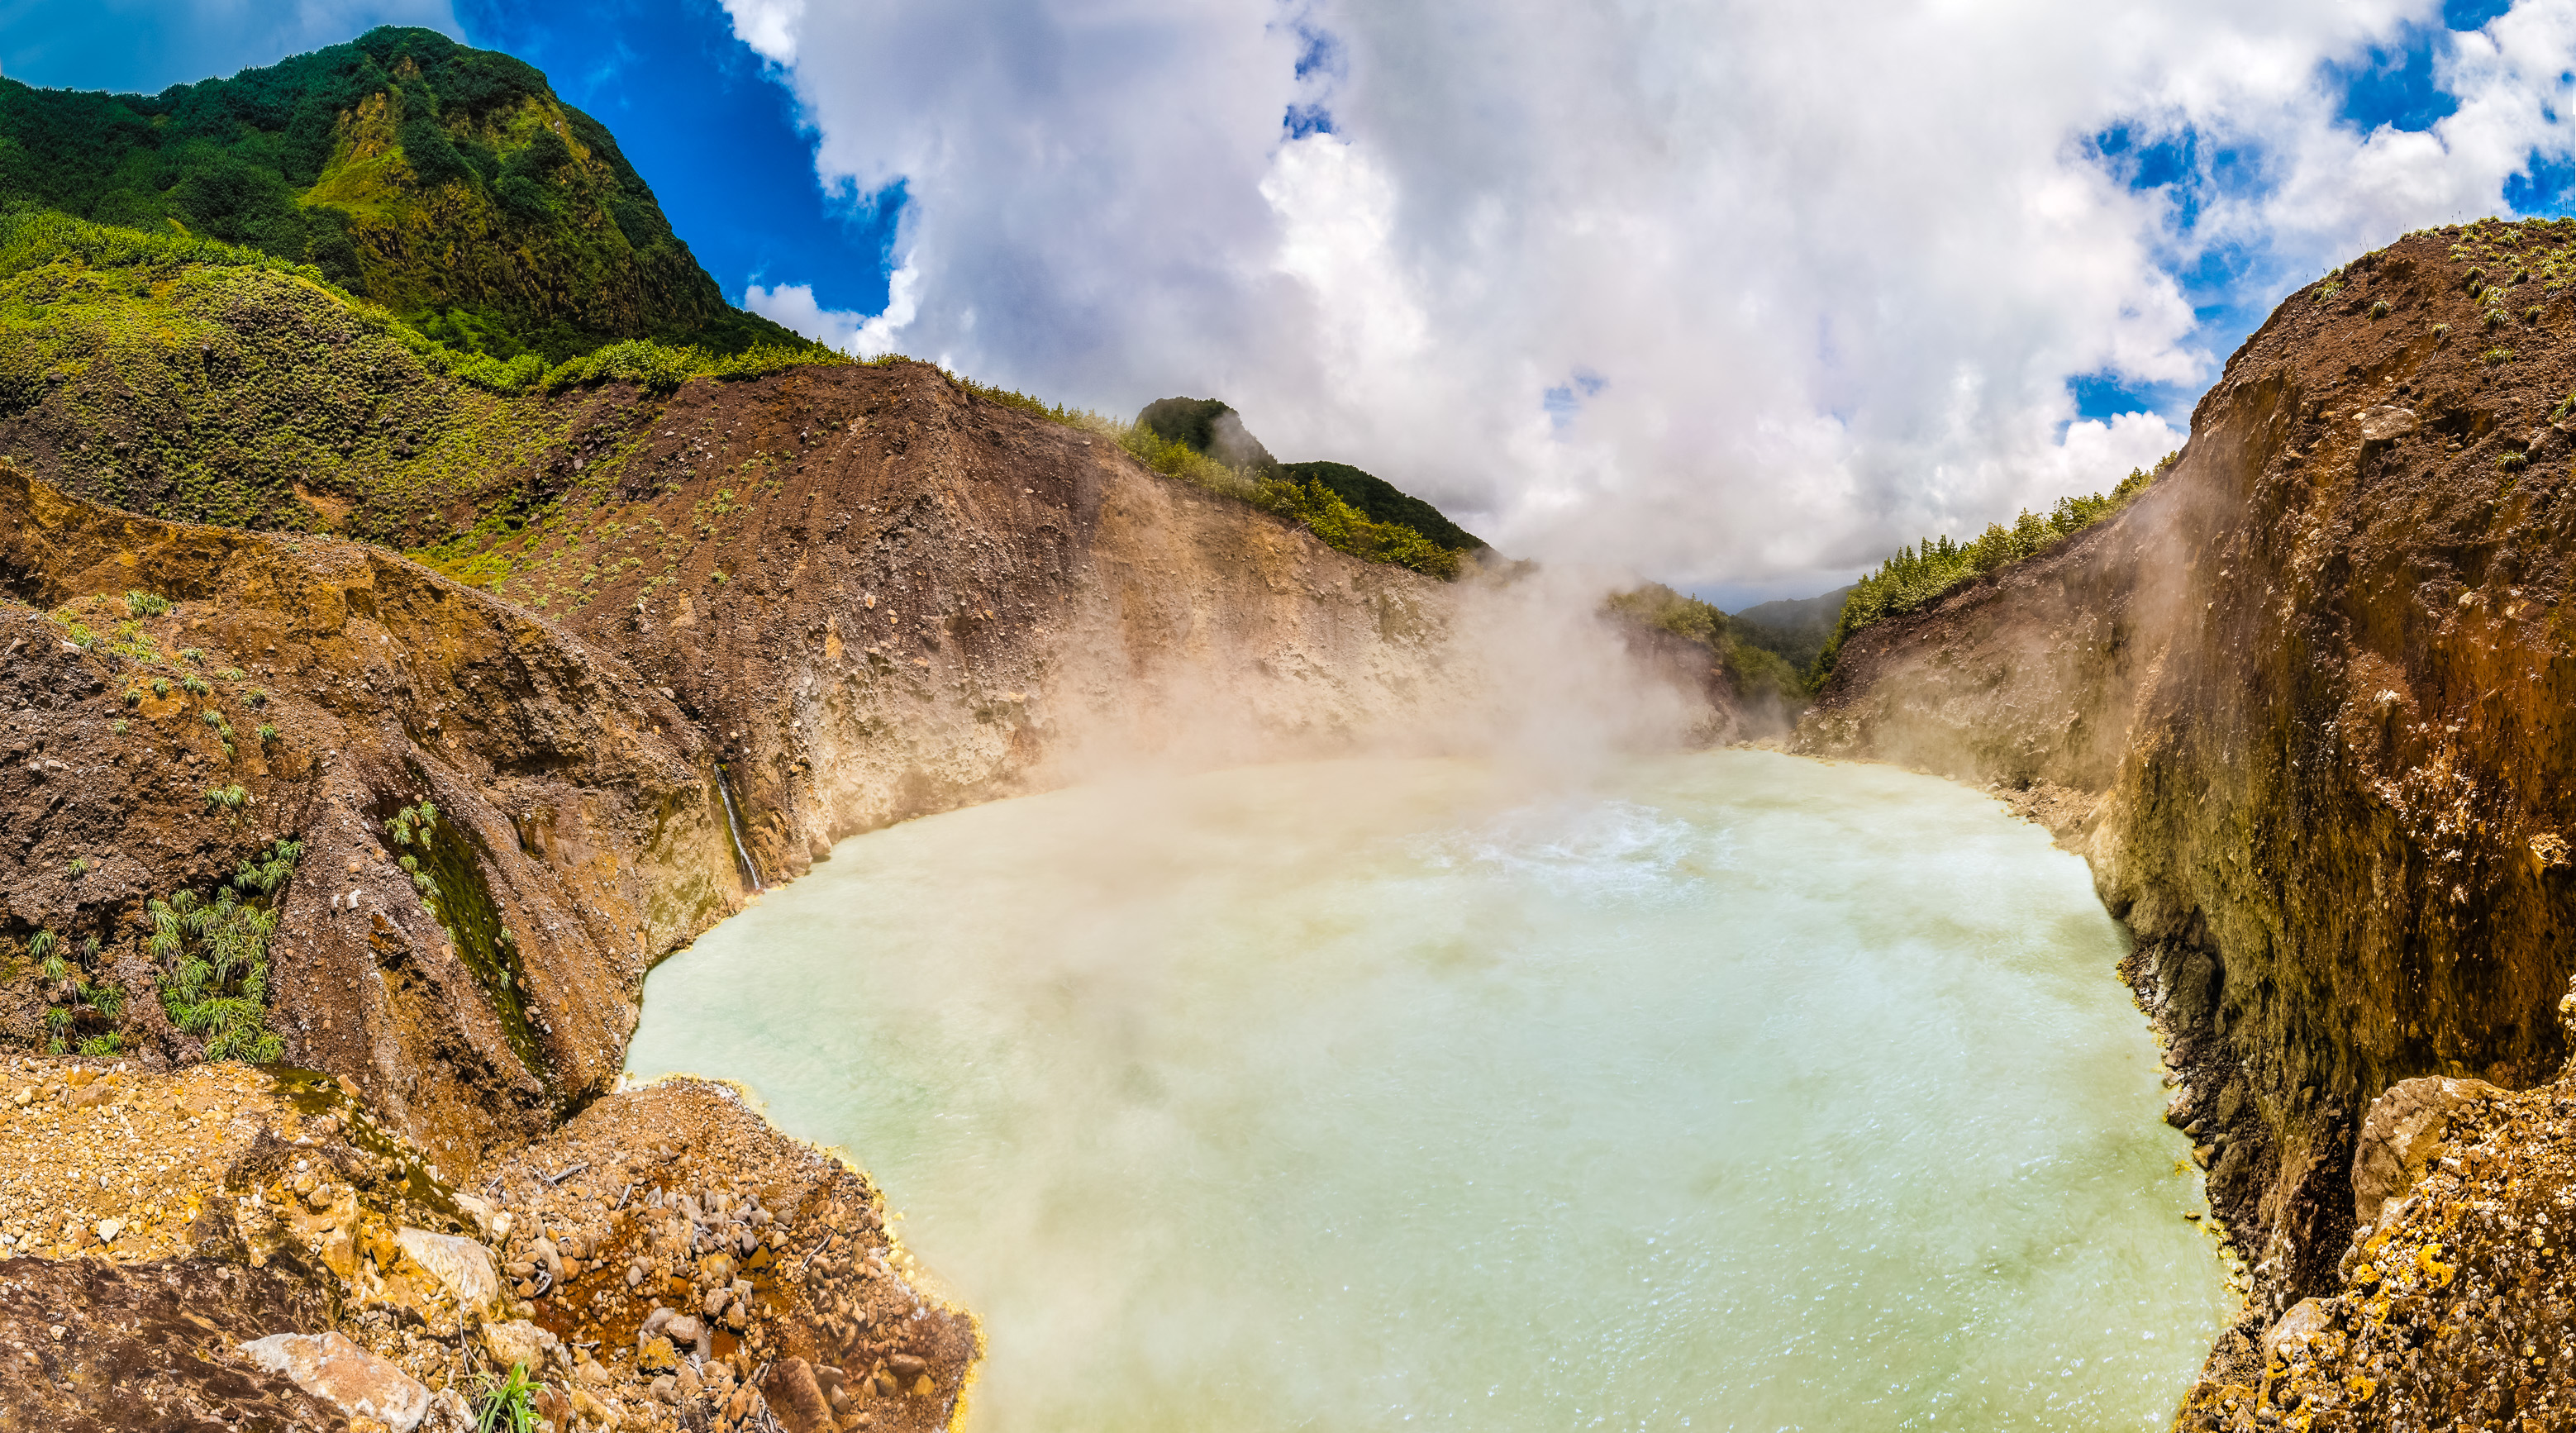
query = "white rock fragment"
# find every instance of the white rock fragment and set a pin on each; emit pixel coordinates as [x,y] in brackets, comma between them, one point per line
[463,1267]
[337,1371]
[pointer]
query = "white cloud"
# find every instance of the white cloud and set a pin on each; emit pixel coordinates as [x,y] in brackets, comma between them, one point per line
[1831,266]
[767,26]
[863,335]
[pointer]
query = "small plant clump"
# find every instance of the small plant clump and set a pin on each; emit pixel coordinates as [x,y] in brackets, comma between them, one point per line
[415,826]
[75,1005]
[508,1404]
[196,686]
[146,604]
[2507,462]
[223,729]
[229,798]
[213,956]
[2497,355]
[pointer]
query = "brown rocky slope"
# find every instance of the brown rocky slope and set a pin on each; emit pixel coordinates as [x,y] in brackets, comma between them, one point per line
[464,811]
[2307,708]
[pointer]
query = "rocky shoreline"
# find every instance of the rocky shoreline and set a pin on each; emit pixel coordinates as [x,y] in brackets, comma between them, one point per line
[665,1260]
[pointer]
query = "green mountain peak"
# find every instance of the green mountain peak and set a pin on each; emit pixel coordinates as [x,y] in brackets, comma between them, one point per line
[447,184]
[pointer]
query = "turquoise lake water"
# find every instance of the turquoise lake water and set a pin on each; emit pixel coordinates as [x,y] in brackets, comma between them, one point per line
[1728,1090]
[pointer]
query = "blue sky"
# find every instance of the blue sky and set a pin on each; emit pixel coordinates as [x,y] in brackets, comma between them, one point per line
[1613,284]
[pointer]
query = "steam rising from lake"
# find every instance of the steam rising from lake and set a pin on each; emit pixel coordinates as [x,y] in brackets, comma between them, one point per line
[1720,1091]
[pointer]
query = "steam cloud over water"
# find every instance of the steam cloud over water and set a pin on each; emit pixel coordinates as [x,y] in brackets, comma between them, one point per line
[1523,670]
[1719,291]
[1717,1090]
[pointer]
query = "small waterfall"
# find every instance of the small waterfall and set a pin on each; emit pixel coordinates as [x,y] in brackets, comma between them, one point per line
[733,824]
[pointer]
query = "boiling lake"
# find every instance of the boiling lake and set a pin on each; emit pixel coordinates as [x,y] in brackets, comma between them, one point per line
[1728,1090]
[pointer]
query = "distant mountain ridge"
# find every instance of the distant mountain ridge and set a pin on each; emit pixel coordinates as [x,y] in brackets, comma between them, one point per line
[1797,628]
[449,185]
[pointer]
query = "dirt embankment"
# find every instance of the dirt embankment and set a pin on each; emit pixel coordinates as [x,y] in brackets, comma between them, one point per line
[2312,702]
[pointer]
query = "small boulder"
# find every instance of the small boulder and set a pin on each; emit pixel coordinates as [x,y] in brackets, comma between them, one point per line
[655,1354]
[332,1368]
[461,1266]
[2386,423]
[478,1209]
[796,1398]
[2400,1135]
[2306,1319]
[101,1093]
[517,1342]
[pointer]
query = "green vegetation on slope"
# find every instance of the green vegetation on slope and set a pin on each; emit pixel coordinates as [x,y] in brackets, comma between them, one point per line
[1917,576]
[1312,504]
[448,185]
[1201,440]
[202,381]
[1206,425]
[213,956]
[1383,501]
[1757,673]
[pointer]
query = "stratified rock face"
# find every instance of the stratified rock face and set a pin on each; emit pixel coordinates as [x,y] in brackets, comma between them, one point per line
[2321,678]
[337,1371]
[2397,1138]
[150,1346]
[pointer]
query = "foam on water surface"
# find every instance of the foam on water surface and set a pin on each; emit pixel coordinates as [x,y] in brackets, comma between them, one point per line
[1720,1091]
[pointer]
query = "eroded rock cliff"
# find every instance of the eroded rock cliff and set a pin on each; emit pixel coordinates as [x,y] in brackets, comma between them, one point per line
[2306,707]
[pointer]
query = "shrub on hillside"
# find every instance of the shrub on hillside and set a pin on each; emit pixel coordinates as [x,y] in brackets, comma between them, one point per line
[1916,576]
